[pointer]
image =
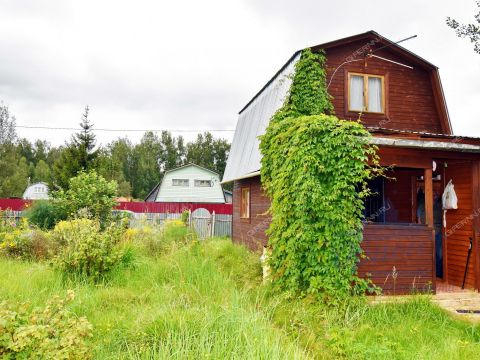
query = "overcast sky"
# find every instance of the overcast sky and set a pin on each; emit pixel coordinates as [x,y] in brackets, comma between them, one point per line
[194,64]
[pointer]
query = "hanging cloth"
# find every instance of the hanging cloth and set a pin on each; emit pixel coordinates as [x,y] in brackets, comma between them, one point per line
[449,201]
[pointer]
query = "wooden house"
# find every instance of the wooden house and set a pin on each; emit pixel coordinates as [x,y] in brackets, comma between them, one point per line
[188,184]
[402,103]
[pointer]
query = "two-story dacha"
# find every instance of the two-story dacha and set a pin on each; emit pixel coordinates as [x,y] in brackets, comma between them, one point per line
[402,103]
[188,184]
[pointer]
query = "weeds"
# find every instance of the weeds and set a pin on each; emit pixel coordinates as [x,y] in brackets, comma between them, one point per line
[190,299]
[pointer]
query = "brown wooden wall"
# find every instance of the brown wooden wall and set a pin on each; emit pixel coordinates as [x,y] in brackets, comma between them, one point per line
[476,218]
[459,225]
[410,102]
[251,232]
[407,247]
[402,238]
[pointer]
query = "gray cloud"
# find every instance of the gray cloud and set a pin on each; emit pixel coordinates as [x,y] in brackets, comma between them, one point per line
[158,64]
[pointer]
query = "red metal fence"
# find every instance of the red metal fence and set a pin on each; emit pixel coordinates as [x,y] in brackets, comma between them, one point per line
[137,207]
[14,204]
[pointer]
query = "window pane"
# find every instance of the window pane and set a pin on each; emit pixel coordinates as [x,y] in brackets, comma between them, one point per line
[203,183]
[356,93]
[245,203]
[375,94]
[180,182]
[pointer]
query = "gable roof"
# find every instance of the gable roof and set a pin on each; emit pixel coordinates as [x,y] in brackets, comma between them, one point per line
[244,159]
[191,164]
[152,195]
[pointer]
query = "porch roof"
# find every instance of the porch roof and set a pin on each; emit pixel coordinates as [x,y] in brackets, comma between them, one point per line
[422,135]
[386,137]
[426,144]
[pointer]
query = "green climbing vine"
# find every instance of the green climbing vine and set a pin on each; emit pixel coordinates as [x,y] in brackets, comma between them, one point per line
[315,169]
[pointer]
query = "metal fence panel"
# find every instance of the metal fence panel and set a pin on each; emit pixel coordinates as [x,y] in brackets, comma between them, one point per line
[223,225]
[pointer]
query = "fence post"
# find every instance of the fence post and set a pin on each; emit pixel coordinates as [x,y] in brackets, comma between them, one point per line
[213,223]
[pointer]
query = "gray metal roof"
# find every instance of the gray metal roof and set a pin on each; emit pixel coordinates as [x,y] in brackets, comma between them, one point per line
[244,157]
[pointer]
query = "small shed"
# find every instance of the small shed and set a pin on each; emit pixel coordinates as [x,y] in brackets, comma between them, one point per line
[37,191]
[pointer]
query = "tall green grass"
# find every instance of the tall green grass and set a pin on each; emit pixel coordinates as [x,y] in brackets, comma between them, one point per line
[199,300]
[184,304]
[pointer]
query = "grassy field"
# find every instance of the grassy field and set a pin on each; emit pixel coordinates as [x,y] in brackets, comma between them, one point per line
[205,300]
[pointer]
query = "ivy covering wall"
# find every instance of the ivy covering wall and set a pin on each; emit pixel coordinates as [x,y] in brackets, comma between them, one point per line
[315,171]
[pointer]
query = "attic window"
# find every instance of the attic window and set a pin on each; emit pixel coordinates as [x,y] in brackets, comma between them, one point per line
[180,182]
[203,183]
[366,93]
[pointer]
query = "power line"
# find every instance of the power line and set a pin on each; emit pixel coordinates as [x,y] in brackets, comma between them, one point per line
[123,130]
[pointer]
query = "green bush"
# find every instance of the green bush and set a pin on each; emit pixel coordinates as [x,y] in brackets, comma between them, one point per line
[49,333]
[86,251]
[89,195]
[18,241]
[185,217]
[156,240]
[45,214]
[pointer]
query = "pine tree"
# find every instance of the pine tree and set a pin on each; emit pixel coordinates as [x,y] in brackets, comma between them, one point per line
[77,155]
[84,142]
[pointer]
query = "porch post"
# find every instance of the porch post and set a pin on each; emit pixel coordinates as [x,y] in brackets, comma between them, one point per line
[428,197]
[476,220]
[428,181]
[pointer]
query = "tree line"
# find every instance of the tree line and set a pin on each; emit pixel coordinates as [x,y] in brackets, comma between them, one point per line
[137,168]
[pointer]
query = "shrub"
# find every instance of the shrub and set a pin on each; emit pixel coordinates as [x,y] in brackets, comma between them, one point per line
[45,214]
[185,217]
[155,240]
[87,251]
[89,195]
[24,243]
[49,333]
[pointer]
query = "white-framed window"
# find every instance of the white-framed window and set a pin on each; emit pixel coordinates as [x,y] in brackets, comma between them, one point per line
[180,182]
[203,183]
[366,93]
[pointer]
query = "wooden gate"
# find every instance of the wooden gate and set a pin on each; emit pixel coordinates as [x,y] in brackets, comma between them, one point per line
[209,225]
[201,221]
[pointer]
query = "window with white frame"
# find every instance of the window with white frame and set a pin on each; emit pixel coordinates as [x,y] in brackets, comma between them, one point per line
[180,182]
[366,93]
[203,183]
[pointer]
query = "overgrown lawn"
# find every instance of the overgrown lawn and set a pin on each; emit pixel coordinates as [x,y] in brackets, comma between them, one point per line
[205,300]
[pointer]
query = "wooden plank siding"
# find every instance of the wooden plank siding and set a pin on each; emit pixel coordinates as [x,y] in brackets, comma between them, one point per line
[409,93]
[251,232]
[412,242]
[407,247]
[459,225]
[476,219]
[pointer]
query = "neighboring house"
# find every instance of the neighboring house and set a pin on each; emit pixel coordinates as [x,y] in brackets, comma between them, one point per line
[37,191]
[189,184]
[228,196]
[404,108]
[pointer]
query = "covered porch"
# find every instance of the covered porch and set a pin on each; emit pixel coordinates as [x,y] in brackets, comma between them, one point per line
[408,249]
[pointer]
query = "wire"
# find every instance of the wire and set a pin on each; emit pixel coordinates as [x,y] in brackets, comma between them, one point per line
[122,130]
[371,52]
[338,68]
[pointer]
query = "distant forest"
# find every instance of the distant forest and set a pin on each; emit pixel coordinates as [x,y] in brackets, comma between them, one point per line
[137,168]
